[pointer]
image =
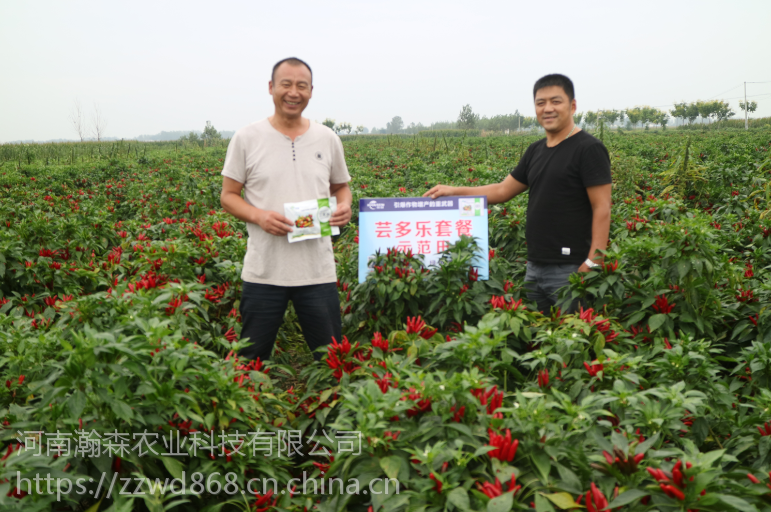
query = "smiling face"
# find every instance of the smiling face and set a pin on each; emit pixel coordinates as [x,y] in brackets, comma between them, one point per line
[553,108]
[291,90]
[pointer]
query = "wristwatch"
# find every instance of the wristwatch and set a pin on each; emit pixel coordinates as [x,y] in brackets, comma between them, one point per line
[591,264]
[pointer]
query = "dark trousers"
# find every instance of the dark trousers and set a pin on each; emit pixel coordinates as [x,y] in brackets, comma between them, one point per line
[262,313]
[543,282]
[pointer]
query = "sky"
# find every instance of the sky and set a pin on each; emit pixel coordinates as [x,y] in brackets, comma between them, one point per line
[173,65]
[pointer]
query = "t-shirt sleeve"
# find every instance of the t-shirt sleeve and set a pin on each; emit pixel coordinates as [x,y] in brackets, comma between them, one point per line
[339,173]
[235,161]
[520,171]
[594,165]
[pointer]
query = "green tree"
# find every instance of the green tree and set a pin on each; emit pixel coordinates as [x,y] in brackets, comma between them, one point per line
[395,126]
[329,123]
[210,133]
[343,127]
[467,119]
[635,115]
[649,115]
[577,117]
[692,112]
[360,129]
[750,106]
[706,109]
[659,117]
[591,118]
[608,116]
[680,111]
[190,137]
[723,110]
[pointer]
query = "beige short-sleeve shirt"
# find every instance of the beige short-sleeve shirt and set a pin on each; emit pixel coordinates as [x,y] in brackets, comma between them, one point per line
[275,170]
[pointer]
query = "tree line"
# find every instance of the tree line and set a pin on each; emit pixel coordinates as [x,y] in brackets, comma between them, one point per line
[638,116]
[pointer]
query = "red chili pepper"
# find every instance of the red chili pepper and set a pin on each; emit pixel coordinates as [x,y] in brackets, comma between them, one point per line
[594,369]
[437,485]
[672,491]
[415,325]
[662,305]
[543,378]
[595,500]
[657,474]
[677,474]
[505,449]
[496,489]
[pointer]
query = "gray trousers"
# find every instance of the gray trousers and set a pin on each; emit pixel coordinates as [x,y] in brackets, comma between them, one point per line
[543,281]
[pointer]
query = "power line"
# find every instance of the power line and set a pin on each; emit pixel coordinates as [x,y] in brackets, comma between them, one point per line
[731,89]
[749,96]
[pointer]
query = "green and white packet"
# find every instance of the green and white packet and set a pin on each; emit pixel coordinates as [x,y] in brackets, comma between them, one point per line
[311,219]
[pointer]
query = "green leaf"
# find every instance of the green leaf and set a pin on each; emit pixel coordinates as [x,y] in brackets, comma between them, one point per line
[76,403]
[700,430]
[656,321]
[121,409]
[391,465]
[173,466]
[121,505]
[635,318]
[502,503]
[395,502]
[570,481]
[764,446]
[543,464]
[459,498]
[563,500]
[482,450]
[601,440]
[95,506]
[708,458]
[645,445]
[733,501]
[627,497]
[542,504]
[709,499]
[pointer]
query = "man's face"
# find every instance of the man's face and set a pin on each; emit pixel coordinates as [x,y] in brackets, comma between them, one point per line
[553,109]
[291,89]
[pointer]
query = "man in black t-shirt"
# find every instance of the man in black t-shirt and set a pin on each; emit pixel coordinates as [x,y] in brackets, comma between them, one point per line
[568,211]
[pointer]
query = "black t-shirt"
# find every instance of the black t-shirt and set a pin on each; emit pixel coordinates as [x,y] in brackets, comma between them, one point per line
[559,214]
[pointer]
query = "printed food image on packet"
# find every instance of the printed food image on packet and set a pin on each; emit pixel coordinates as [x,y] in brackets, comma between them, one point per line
[311,219]
[304,222]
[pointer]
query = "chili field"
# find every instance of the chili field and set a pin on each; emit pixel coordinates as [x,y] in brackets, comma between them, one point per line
[119,324]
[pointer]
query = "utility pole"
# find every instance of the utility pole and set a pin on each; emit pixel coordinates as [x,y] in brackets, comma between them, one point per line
[746,110]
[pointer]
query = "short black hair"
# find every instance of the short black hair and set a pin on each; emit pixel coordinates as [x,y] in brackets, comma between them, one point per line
[294,61]
[555,79]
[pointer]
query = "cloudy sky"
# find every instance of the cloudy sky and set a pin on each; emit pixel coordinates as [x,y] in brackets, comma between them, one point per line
[173,65]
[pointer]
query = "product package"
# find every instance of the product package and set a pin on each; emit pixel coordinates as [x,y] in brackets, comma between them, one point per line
[311,219]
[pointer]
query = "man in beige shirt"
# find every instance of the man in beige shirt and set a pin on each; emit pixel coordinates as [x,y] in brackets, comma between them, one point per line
[286,158]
